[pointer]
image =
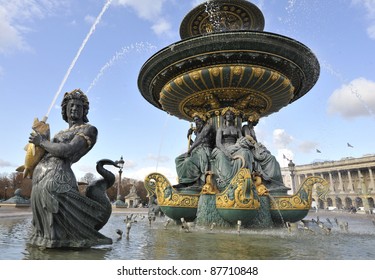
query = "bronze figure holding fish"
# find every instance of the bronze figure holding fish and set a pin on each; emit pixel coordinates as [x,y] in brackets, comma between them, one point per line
[62,216]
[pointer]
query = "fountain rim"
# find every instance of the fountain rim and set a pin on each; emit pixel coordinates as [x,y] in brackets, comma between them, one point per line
[219,34]
[287,47]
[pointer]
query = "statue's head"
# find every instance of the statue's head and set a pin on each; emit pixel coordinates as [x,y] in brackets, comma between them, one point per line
[253,117]
[230,110]
[198,115]
[76,94]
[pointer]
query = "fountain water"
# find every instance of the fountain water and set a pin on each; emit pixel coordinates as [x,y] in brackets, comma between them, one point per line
[156,243]
[137,47]
[92,30]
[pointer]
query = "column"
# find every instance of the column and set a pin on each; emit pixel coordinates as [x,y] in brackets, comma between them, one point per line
[298,179]
[371,185]
[350,187]
[331,182]
[360,180]
[341,186]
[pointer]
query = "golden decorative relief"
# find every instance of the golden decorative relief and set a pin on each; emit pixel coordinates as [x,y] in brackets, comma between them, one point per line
[215,71]
[258,71]
[240,194]
[286,82]
[275,76]
[157,184]
[303,198]
[209,187]
[196,75]
[168,88]
[242,99]
[237,70]
[179,81]
[214,88]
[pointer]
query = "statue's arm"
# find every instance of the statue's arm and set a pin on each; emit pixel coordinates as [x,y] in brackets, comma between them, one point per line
[201,137]
[245,130]
[67,150]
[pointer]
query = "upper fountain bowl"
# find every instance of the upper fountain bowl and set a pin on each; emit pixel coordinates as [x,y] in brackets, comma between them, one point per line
[225,59]
[221,16]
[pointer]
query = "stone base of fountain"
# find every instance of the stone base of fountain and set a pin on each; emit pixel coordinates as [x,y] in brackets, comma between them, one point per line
[207,213]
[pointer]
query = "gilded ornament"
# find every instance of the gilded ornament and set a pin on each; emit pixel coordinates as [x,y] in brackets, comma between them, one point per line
[286,82]
[253,117]
[196,75]
[258,71]
[240,194]
[237,70]
[179,81]
[303,198]
[215,71]
[234,110]
[275,76]
[157,184]
[201,115]
[168,88]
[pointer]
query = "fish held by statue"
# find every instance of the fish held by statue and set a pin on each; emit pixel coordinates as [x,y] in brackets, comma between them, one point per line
[34,153]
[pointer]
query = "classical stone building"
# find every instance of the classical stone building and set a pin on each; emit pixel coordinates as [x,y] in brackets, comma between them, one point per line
[351,181]
[132,199]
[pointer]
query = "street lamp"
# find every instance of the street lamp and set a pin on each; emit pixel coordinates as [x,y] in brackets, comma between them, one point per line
[5,193]
[291,167]
[120,164]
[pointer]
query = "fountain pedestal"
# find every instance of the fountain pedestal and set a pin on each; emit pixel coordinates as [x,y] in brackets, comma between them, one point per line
[207,212]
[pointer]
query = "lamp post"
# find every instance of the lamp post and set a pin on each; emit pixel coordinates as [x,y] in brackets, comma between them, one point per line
[120,164]
[291,167]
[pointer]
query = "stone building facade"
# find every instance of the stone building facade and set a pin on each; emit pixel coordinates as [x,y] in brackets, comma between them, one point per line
[351,180]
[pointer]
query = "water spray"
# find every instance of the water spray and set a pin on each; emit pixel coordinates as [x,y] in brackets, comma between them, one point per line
[239,223]
[128,227]
[185,226]
[212,226]
[138,47]
[92,29]
[167,223]
[151,218]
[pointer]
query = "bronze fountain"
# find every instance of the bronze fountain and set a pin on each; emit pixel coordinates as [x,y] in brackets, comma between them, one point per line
[226,62]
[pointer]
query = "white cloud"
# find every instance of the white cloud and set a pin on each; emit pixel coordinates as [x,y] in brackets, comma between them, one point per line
[307,146]
[162,26]
[90,19]
[160,159]
[10,36]
[146,9]
[353,100]
[140,174]
[150,10]
[197,3]
[4,163]
[15,16]
[369,6]
[371,31]
[281,139]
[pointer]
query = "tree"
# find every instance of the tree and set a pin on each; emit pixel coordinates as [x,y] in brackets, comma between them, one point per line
[88,178]
[9,184]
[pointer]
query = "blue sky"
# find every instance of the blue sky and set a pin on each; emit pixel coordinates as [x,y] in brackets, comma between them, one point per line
[40,39]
